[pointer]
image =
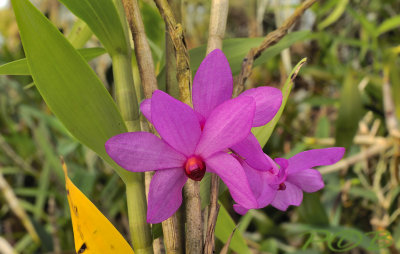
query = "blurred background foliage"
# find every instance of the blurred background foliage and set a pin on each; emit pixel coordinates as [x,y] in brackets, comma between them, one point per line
[347,94]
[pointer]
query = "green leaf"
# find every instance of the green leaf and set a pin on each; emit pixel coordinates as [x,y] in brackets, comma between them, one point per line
[20,66]
[263,133]
[350,111]
[236,49]
[335,14]
[389,24]
[223,229]
[66,82]
[103,19]
[311,210]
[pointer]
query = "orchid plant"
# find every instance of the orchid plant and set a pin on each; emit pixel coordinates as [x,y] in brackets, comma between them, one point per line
[215,136]
[209,131]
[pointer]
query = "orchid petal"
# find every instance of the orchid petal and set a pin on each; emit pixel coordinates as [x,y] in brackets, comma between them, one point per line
[292,195]
[212,84]
[142,151]
[233,175]
[176,122]
[145,108]
[260,185]
[250,150]
[316,157]
[309,180]
[240,209]
[227,125]
[165,194]
[268,101]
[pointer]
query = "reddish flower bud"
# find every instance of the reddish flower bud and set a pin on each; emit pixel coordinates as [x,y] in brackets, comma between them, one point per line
[195,168]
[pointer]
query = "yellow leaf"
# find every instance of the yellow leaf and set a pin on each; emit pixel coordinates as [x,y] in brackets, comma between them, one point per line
[93,232]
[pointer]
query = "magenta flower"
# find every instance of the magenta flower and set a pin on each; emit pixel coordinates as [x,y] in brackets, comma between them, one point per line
[213,85]
[186,150]
[284,186]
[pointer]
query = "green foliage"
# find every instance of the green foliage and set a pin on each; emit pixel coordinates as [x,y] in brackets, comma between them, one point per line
[103,19]
[62,76]
[20,67]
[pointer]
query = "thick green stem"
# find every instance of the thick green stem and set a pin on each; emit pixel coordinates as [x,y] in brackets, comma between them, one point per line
[135,191]
[125,93]
[140,230]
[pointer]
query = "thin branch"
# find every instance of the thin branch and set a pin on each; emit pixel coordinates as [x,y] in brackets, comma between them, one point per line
[212,216]
[175,30]
[5,247]
[388,103]
[142,48]
[194,239]
[173,239]
[217,26]
[193,219]
[16,207]
[218,17]
[271,39]
[172,227]
[370,152]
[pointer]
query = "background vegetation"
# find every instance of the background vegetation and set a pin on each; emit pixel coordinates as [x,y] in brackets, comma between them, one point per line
[347,94]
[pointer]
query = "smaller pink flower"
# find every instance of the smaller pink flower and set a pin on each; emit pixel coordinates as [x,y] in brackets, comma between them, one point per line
[284,186]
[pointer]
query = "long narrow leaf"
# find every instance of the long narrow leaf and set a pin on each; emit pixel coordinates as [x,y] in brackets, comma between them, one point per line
[102,18]
[263,133]
[20,66]
[66,82]
[224,228]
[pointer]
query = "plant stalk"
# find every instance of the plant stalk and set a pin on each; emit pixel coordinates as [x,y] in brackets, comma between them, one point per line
[194,232]
[140,230]
[217,26]
[126,100]
[142,48]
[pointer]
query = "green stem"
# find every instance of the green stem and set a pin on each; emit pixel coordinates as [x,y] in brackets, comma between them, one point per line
[125,93]
[140,230]
[135,191]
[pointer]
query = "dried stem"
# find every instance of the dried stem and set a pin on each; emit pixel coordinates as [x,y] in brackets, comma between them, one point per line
[194,238]
[271,39]
[5,247]
[171,82]
[15,206]
[218,17]
[388,103]
[53,225]
[370,152]
[172,227]
[142,48]
[194,229]
[172,231]
[175,30]
[212,216]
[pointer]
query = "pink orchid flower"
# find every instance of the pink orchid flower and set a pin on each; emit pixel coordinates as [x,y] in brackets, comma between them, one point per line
[185,150]
[213,85]
[284,186]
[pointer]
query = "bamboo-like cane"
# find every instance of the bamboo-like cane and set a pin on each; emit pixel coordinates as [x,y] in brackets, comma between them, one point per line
[217,26]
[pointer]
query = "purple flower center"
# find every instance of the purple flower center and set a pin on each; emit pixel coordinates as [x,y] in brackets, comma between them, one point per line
[195,168]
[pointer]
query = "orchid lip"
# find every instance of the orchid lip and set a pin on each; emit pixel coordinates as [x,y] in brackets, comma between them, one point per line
[195,168]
